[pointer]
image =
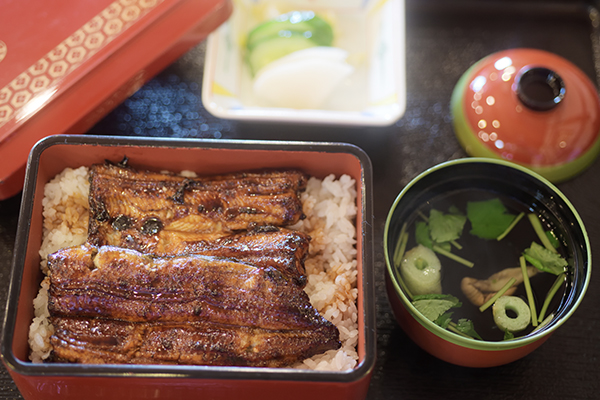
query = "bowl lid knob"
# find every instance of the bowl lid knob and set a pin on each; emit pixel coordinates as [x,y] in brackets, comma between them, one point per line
[539,88]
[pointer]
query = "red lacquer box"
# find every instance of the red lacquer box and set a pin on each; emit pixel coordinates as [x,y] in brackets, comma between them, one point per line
[65,64]
[76,381]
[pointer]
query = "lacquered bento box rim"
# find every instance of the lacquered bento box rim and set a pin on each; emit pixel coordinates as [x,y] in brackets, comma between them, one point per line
[361,371]
[472,343]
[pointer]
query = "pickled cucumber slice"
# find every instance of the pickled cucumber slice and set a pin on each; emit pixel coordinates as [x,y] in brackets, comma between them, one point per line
[272,49]
[305,23]
[421,271]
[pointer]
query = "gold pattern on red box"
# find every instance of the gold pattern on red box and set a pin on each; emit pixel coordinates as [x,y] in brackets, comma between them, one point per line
[37,84]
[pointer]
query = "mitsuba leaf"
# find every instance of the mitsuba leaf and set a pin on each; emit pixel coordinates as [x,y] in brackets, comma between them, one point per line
[508,335]
[454,210]
[445,227]
[422,234]
[544,259]
[438,296]
[466,326]
[489,218]
[432,306]
[444,319]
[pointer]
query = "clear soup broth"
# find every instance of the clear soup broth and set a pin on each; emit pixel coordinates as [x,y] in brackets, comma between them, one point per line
[490,256]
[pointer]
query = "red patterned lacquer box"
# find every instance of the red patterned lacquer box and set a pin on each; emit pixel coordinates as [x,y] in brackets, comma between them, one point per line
[65,64]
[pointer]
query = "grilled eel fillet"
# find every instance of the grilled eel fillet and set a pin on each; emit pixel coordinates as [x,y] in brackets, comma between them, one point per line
[275,247]
[182,307]
[101,341]
[280,248]
[137,209]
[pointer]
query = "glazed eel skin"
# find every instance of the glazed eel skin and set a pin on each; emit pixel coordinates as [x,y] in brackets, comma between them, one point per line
[101,341]
[111,304]
[146,210]
[265,246]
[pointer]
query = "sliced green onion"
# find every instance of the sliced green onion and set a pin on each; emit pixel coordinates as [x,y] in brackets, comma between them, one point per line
[456,244]
[425,217]
[544,323]
[402,248]
[399,250]
[530,298]
[404,287]
[512,225]
[497,295]
[550,295]
[539,230]
[397,259]
[397,265]
[456,258]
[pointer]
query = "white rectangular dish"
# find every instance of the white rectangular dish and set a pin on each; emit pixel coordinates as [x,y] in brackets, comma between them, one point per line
[372,32]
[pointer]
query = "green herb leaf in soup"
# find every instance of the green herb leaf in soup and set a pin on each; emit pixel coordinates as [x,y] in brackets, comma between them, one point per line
[545,260]
[422,234]
[489,218]
[466,326]
[423,237]
[432,306]
[444,319]
[445,227]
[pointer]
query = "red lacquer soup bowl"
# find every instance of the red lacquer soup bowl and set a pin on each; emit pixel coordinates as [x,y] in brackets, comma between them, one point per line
[496,178]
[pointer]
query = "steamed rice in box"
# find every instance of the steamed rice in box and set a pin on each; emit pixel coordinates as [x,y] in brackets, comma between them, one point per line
[330,208]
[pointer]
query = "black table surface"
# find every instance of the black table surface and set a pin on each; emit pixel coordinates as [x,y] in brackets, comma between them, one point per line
[443,38]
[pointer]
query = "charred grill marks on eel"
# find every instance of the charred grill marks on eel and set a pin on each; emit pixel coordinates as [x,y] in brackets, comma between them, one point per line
[128,206]
[119,290]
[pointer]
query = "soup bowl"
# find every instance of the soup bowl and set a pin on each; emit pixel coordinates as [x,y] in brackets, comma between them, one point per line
[508,181]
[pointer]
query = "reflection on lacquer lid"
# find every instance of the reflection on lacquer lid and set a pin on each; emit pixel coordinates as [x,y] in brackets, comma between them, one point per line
[531,107]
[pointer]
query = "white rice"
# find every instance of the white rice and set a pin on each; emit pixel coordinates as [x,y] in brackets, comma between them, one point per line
[330,208]
[65,212]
